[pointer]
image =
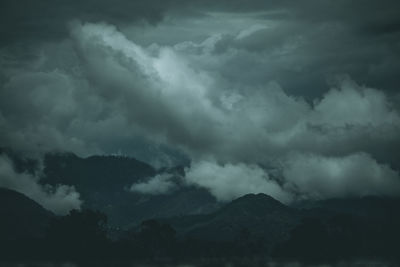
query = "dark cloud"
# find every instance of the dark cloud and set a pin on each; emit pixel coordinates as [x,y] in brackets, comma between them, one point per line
[331,37]
[26,20]
[233,86]
[109,88]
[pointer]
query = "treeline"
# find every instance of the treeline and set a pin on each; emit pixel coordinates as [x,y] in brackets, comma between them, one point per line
[84,235]
[343,237]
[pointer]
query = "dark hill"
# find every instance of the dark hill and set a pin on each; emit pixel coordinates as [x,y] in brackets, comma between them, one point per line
[96,173]
[21,217]
[259,217]
[104,182]
[371,207]
[339,229]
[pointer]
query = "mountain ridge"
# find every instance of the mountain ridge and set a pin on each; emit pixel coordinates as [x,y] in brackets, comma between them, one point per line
[21,217]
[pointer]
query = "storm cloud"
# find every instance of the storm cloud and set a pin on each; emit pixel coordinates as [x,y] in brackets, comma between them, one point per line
[300,88]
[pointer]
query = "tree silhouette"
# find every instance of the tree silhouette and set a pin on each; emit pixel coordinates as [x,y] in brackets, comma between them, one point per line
[156,239]
[80,234]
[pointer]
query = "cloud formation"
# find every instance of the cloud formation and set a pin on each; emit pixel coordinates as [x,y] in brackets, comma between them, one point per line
[239,91]
[118,91]
[157,185]
[59,199]
[229,181]
[319,177]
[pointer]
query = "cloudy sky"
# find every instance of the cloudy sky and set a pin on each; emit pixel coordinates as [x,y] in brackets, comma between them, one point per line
[297,99]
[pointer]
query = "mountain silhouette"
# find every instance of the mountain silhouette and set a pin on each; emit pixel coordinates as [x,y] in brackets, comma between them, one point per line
[21,217]
[104,182]
[255,217]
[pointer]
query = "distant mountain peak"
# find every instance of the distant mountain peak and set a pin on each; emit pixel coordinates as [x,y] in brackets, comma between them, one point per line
[260,214]
[256,197]
[255,204]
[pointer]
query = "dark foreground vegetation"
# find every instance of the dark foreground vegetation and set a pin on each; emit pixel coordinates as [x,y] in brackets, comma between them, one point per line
[321,234]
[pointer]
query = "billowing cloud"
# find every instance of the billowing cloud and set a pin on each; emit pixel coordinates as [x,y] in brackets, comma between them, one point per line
[159,184]
[59,199]
[229,181]
[120,92]
[319,177]
[354,105]
[235,93]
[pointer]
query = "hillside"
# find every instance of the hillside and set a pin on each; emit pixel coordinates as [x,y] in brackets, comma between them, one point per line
[104,182]
[255,217]
[21,217]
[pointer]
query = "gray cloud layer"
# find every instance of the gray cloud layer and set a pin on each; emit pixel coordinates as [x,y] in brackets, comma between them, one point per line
[112,88]
[233,88]
[320,38]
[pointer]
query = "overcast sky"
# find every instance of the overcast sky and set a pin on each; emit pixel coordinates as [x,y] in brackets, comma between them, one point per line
[297,99]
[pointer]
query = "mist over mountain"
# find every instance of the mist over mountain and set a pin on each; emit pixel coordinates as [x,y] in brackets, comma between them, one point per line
[174,129]
[105,183]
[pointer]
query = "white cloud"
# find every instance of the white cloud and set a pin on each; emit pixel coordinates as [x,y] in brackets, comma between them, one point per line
[356,105]
[319,177]
[157,185]
[59,199]
[230,181]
